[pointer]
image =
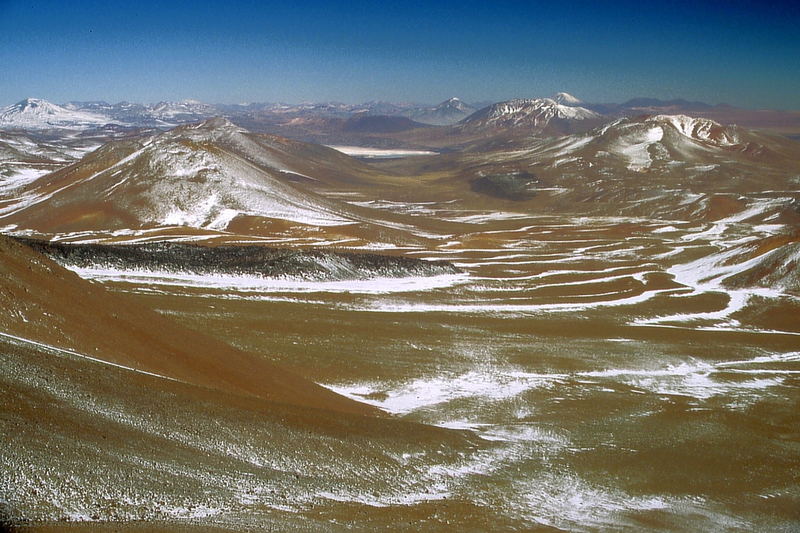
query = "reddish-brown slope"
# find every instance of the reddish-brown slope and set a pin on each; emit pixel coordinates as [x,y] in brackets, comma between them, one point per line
[46,303]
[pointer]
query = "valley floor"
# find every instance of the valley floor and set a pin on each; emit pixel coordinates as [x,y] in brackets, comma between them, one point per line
[581,374]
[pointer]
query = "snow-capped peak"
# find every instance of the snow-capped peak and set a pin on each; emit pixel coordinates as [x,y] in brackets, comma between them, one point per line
[536,112]
[567,99]
[32,103]
[35,113]
[454,103]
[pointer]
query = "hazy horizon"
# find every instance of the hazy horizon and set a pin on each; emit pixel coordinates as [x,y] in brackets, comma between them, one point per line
[739,53]
[353,103]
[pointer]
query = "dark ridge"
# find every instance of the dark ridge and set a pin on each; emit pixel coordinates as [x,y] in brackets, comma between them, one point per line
[263,261]
[380,124]
[517,186]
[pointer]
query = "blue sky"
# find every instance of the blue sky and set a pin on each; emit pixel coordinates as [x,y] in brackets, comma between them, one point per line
[742,53]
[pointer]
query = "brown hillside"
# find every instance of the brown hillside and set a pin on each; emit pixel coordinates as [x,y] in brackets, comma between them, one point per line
[48,304]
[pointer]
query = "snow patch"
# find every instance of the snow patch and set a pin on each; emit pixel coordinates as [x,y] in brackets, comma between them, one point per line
[379,153]
[256,284]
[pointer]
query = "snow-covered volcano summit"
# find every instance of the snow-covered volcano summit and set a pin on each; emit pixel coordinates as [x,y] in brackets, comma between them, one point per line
[454,103]
[524,112]
[567,99]
[37,114]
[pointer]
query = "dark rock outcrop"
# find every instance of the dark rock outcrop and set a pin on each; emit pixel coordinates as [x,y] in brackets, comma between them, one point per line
[239,260]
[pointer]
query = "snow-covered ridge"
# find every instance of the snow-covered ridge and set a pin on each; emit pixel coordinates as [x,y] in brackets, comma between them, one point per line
[536,112]
[34,113]
[171,110]
[540,108]
[210,188]
[702,129]
[200,175]
[643,143]
[698,129]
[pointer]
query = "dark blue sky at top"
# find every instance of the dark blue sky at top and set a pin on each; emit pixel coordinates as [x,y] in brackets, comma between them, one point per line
[742,53]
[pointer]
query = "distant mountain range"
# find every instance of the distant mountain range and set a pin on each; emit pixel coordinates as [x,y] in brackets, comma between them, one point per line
[38,114]
[451,125]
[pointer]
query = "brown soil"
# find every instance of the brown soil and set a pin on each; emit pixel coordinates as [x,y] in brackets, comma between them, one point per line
[723,206]
[54,306]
